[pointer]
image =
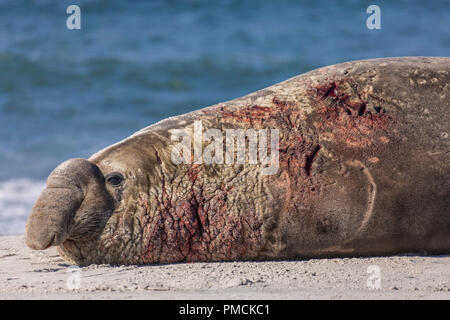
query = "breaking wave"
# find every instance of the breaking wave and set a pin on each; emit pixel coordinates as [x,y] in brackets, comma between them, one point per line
[17,196]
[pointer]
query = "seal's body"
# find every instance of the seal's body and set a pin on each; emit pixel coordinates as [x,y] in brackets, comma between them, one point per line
[362,168]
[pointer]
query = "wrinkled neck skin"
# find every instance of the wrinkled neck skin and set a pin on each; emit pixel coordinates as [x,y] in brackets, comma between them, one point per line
[172,213]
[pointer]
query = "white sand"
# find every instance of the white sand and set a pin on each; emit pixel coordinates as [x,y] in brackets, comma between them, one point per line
[27,274]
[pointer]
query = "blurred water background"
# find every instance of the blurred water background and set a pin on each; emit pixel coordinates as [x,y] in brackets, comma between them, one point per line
[66,94]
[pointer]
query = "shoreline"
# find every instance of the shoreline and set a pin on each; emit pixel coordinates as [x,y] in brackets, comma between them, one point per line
[28,274]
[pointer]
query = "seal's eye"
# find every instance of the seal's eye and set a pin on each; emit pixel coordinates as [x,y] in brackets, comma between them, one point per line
[114,179]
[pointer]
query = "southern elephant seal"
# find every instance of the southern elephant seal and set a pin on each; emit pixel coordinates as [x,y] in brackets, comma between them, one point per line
[346,160]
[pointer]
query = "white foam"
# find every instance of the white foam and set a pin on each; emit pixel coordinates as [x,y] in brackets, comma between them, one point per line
[17,197]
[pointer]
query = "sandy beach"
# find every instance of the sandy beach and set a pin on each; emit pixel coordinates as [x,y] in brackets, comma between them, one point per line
[27,274]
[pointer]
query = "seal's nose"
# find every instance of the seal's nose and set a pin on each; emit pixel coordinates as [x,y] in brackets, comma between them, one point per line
[50,216]
[54,209]
[39,244]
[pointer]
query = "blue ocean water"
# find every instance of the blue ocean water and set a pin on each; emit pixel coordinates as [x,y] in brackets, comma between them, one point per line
[68,93]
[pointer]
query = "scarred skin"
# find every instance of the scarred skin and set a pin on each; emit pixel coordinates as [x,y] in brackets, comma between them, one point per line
[363,170]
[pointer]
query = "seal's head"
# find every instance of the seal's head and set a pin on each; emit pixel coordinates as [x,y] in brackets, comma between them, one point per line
[95,210]
[75,205]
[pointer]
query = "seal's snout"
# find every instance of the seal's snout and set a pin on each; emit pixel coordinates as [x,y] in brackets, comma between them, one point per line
[43,242]
[53,211]
[50,216]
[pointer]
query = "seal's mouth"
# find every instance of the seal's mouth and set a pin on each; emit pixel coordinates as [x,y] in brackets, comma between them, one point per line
[55,240]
